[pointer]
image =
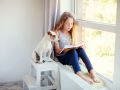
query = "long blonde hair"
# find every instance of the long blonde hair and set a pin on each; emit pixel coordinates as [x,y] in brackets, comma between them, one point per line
[74,31]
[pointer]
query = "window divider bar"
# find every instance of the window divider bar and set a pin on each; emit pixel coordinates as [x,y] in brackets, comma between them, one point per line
[74,8]
[105,27]
[117,51]
[118,14]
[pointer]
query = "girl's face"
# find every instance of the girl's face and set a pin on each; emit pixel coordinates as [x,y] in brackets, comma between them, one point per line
[68,24]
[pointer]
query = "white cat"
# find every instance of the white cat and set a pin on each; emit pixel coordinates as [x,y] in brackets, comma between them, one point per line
[44,47]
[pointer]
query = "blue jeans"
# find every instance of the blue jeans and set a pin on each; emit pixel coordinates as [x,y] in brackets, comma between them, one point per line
[72,58]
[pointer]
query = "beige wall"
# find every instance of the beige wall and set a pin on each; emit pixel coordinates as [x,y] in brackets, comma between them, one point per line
[20,25]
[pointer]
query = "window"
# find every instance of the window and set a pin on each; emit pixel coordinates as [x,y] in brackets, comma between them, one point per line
[103,11]
[100,46]
[101,20]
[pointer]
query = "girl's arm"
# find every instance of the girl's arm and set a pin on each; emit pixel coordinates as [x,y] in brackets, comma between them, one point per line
[58,50]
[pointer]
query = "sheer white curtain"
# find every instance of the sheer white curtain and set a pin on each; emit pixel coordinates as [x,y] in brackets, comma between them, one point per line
[50,14]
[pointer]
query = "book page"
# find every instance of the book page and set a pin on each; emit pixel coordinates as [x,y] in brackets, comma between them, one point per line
[71,47]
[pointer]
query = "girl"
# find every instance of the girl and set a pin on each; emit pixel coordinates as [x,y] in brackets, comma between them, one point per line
[66,29]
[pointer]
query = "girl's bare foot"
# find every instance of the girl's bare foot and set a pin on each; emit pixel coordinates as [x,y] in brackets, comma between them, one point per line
[92,74]
[80,74]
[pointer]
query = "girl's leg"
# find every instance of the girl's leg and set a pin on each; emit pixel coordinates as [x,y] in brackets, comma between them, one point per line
[71,58]
[92,74]
[82,54]
[86,60]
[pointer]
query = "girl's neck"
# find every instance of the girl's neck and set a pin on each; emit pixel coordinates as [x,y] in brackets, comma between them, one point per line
[65,31]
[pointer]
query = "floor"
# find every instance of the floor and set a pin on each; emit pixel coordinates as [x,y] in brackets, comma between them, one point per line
[11,86]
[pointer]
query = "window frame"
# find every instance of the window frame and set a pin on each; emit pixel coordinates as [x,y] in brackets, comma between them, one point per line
[115,28]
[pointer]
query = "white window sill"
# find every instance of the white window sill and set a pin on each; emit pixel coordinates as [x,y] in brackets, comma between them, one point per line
[68,76]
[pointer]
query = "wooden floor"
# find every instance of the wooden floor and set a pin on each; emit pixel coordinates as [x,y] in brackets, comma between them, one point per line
[11,86]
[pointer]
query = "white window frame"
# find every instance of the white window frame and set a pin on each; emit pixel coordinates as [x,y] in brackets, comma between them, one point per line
[115,85]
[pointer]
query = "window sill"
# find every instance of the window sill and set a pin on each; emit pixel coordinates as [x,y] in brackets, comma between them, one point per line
[81,84]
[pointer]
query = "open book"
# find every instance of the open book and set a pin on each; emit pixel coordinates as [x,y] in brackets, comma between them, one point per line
[70,47]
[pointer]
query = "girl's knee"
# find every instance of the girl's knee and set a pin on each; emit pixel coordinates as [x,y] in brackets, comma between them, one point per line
[73,51]
[80,50]
[74,55]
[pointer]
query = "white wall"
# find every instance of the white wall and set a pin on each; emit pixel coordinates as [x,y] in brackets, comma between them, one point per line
[20,25]
[66,5]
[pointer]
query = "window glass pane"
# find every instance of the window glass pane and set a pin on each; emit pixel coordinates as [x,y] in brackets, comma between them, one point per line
[103,11]
[100,46]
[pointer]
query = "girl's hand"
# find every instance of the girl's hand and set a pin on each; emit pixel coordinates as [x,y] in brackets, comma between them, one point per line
[82,45]
[67,49]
